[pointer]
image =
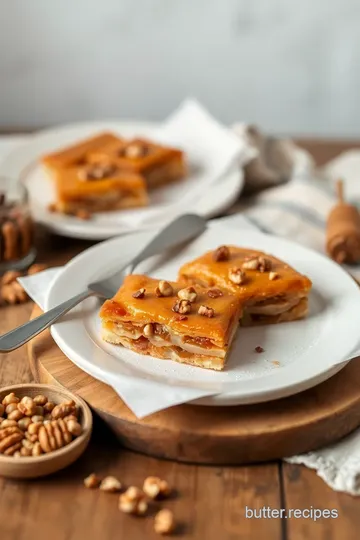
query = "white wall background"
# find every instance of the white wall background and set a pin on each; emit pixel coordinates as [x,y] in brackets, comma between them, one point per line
[292,67]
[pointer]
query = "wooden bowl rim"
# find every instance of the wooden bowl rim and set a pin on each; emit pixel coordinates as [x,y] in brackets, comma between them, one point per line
[86,417]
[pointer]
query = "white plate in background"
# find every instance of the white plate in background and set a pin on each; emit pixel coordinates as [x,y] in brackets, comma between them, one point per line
[22,163]
[298,355]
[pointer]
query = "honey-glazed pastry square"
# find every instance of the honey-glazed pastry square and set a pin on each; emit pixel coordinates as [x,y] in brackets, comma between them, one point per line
[191,325]
[158,164]
[270,290]
[97,188]
[75,154]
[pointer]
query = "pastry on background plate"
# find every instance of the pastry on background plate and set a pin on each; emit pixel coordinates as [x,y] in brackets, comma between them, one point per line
[96,188]
[163,319]
[269,289]
[75,154]
[158,164]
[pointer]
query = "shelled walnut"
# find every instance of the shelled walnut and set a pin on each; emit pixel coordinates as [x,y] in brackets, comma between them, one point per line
[11,291]
[34,426]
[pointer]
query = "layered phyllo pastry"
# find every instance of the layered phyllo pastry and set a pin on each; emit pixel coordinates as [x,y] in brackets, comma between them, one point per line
[158,164]
[192,325]
[269,289]
[97,188]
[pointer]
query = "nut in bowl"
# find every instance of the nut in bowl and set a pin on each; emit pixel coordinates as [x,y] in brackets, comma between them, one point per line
[43,429]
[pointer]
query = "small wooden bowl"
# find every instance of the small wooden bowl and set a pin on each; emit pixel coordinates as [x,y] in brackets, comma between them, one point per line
[33,467]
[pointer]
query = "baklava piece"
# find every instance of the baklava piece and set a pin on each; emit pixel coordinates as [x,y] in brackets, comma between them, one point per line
[76,153]
[158,164]
[95,188]
[190,325]
[269,289]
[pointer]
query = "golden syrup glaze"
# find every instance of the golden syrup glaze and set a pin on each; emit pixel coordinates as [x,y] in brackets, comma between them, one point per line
[257,285]
[76,153]
[123,307]
[157,155]
[70,186]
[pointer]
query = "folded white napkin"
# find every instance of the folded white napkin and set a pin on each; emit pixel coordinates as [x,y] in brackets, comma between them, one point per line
[211,150]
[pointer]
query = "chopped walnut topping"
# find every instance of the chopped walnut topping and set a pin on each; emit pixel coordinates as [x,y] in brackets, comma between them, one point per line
[135,150]
[259,349]
[264,264]
[222,253]
[215,293]
[237,276]
[206,311]
[96,172]
[273,275]
[182,307]
[164,289]
[188,294]
[251,264]
[139,294]
[148,330]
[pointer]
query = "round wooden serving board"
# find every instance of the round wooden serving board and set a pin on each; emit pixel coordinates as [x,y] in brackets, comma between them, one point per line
[214,435]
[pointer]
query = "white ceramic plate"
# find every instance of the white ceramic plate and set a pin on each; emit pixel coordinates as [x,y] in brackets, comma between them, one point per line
[297,355]
[23,163]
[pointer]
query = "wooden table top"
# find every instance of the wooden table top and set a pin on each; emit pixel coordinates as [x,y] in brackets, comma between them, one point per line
[211,501]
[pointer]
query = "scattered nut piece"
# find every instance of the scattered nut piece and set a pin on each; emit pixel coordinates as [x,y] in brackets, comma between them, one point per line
[36,268]
[40,400]
[180,318]
[110,484]
[10,277]
[52,208]
[133,501]
[215,293]
[148,330]
[259,349]
[273,276]
[10,398]
[154,487]
[206,311]
[188,294]
[237,276]
[222,253]
[182,307]
[92,481]
[164,522]
[83,214]
[164,289]
[139,294]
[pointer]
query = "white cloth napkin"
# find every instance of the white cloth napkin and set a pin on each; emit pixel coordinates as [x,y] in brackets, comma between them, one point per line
[211,149]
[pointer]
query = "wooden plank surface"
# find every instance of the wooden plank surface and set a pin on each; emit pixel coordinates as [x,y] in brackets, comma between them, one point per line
[211,501]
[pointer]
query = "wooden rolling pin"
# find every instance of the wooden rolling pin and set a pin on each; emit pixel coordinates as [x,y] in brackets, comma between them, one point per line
[343,230]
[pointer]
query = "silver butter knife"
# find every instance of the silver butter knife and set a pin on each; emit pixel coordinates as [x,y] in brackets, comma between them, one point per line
[180,230]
